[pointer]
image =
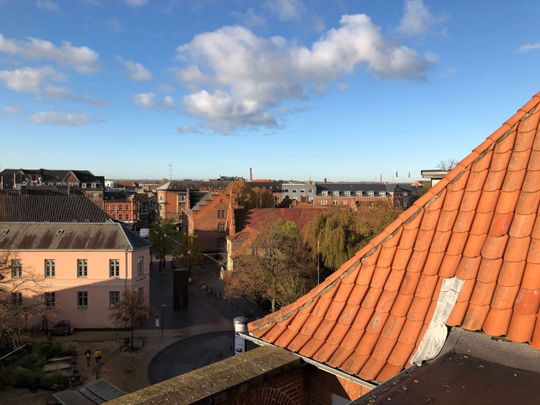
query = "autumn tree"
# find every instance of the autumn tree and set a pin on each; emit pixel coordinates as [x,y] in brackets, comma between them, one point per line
[336,236]
[279,269]
[251,197]
[130,313]
[164,237]
[20,297]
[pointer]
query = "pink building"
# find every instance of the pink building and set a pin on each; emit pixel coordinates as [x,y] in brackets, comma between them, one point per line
[85,267]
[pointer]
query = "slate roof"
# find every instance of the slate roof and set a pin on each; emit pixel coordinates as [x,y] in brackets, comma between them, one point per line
[350,187]
[49,207]
[479,223]
[68,236]
[194,185]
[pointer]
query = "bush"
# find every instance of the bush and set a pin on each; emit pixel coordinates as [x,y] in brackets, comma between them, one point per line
[54,382]
[25,378]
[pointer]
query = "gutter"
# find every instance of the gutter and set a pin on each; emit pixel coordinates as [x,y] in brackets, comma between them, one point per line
[321,366]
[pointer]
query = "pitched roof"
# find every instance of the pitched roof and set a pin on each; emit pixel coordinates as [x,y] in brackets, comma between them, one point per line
[49,207]
[360,186]
[68,236]
[479,224]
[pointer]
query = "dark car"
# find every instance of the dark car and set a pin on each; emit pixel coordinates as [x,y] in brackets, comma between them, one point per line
[62,328]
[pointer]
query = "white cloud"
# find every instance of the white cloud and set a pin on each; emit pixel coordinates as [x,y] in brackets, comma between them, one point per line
[62,93]
[168,102]
[136,3]
[47,5]
[529,47]
[286,9]
[63,118]
[12,110]
[29,79]
[261,74]
[144,100]
[417,19]
[82,59]
[135,70]
[250,18]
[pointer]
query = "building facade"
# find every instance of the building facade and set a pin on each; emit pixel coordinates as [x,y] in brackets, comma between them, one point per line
[84,268]
[299,191]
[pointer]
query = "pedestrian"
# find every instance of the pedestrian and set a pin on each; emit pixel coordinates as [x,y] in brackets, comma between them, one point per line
[87,354]
[98,355]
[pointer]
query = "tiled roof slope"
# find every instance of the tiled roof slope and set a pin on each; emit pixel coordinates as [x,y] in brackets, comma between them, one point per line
[45,207]
[480,223]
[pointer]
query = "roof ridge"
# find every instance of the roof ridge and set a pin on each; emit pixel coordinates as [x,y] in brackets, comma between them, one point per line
[408,215]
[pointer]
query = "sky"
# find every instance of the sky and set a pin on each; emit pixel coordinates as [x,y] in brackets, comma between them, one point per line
[348,90]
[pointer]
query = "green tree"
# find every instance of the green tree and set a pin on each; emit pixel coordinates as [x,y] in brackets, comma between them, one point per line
[279,268]
[188,252]
[336,236]
[163,237]
[131,312]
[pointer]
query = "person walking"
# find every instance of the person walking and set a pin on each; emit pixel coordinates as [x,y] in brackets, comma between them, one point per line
[98,355]
[87,354]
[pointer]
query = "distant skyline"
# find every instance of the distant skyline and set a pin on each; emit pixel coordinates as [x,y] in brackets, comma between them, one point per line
[346,90]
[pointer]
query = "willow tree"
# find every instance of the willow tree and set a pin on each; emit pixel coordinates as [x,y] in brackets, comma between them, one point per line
[337,235]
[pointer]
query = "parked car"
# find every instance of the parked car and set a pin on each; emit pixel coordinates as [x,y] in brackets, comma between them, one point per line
[62,328]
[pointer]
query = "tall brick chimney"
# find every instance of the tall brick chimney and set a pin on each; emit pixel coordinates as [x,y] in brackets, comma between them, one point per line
[250,174]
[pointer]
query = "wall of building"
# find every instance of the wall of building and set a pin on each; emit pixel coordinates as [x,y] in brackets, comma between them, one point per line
[204,222]
[97,283]
[122,210]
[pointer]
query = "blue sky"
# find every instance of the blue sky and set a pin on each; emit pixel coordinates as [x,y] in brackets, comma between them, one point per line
[346,90]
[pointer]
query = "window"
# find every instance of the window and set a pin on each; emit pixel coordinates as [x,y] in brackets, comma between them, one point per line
[120,207]
[359,194]
[347,193]
[120,217]
[335,193]
[140,294]
[82,299]
[93,185]
[49,267]
[95,195]
[16,298]
[294,191]
[221,228]
[334,202]
[310,191]
[302,191]
[114,268]
[82,267]
[325,193]
[127,217]
[370,193]
[221,214]
[83,185]
[182,198]
[221,243]
[127,207]
[286,190]
[160,198]
[140,265]
[324,202]
[50,299]
[345,202]
[114,298]
[16,268]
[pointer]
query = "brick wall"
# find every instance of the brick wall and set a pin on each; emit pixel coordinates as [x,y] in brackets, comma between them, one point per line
[322,385]
[205,223]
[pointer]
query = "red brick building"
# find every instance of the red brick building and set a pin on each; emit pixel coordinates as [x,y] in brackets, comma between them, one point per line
[121,206]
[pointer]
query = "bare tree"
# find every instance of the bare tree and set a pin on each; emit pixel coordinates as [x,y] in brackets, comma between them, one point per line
[130,312]
[447,164]
[279,268]
[20,296]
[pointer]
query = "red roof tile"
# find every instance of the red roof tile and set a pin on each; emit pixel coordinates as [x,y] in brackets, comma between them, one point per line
[481,223]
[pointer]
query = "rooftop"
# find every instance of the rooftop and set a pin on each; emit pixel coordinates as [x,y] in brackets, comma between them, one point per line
[49,207]
[467,254]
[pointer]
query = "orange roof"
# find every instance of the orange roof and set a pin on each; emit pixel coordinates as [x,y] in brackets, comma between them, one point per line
[481,224]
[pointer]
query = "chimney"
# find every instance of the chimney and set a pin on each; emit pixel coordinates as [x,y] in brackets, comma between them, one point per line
[250,174]
[325,180]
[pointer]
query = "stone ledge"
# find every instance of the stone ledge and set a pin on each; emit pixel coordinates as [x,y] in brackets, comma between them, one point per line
[236,374]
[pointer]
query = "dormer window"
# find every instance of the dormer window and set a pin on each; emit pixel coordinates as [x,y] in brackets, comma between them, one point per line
[336,193]
[325,193]
[347,193]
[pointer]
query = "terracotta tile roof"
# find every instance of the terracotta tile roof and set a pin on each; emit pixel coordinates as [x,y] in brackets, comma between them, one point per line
[480,223]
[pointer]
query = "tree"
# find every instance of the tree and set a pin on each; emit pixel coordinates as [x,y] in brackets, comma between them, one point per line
[163,235]
[130,312]
[188,252]
[447,164]
[279,268]
[14,282]
[248,197]
[338,235]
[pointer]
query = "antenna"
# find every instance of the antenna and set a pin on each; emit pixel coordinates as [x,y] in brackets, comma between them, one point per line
[170,171]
